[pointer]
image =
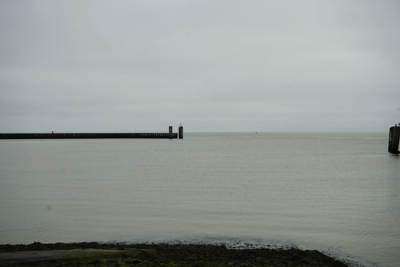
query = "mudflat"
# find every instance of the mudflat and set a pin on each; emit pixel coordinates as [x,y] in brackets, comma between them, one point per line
[163,254]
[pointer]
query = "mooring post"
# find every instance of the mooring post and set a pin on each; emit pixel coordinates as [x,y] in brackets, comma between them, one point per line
[170,132]
[396,139]
[180,131]
[394,136]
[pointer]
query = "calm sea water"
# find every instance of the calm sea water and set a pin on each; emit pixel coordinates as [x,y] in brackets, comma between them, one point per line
[335,192]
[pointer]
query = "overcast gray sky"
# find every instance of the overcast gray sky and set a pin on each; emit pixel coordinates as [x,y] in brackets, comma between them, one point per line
[214,66]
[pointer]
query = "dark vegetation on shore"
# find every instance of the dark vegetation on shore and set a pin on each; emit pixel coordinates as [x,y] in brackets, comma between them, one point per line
[165,254]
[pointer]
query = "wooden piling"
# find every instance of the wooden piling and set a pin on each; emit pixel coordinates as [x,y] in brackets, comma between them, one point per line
[394,136]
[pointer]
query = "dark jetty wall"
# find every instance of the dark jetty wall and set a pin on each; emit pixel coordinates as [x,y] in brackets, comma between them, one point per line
[86,135]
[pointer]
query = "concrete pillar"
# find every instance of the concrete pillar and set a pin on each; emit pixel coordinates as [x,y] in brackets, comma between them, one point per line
[181,132]
[170,132]
[394,136]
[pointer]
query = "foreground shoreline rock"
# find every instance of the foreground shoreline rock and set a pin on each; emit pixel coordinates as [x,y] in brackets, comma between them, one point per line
[163,254]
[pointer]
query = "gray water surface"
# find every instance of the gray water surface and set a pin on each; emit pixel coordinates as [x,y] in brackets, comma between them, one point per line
[336,191]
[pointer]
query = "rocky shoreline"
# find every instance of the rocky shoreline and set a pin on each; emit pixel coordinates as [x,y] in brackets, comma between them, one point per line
[163,254]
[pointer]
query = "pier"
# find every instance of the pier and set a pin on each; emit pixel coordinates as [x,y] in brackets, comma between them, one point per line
[394,136]
[169,135]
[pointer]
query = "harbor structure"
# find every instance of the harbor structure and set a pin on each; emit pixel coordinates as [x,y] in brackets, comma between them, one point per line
[394,136]
[53,135]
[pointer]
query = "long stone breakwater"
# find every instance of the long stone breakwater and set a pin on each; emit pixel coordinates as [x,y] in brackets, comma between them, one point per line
[85,135]
[169,135]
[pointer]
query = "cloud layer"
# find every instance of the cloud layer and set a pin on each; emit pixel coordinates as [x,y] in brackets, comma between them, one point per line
[121,66]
